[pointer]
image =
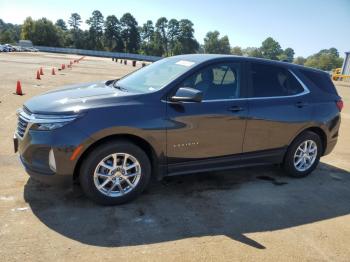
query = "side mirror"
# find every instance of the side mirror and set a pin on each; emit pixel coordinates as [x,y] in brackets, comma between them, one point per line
[187,94]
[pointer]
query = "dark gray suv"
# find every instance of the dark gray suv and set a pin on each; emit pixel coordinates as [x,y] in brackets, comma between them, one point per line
[183,114]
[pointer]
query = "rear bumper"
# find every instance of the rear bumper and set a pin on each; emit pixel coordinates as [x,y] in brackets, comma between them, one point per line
[330,146]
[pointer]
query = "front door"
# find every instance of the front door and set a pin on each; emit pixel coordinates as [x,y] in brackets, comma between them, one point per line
[210,132]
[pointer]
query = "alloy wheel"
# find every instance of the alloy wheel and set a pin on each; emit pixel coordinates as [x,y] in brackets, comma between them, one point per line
[305,155]
[117,174]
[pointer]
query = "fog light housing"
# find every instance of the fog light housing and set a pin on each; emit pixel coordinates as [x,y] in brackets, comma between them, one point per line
[52,160]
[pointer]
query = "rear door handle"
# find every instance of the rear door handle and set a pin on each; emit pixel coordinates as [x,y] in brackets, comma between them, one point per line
[300,104]
[236,108]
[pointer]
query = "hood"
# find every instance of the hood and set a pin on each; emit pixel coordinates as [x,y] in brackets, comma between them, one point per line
[76,98]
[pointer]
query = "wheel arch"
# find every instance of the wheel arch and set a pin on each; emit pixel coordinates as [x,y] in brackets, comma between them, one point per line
[137,140]
[317,130]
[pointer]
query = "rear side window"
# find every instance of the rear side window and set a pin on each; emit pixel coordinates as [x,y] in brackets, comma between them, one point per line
[271,81]
[320,80]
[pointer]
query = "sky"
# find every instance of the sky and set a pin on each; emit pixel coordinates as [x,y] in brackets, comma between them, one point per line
[305,25]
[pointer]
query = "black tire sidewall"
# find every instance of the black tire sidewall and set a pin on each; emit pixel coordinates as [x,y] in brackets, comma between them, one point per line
[88,167]
[289,158]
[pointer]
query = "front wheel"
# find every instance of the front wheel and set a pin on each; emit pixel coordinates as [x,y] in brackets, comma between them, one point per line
[115,173]
[303,155]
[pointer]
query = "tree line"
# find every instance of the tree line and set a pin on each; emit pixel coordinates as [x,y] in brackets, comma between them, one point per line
[162,38]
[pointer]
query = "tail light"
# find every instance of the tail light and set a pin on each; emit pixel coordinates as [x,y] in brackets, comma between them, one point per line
[340,105]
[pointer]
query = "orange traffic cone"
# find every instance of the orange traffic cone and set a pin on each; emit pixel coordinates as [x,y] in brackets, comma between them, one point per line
[41,71]
[63,66]
[38,75]
[53,71]
[19,89]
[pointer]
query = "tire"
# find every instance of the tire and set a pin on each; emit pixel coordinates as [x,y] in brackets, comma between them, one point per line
[98,169]
[291,165]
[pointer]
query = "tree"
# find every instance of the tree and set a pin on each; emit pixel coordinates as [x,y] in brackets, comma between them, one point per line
[299,60]
[215,45]
[147,33]
[74,21]
[237,50]
[173,34]
[9,33]
[130,33]
[6,37]
[112,35]
[289,52]
[82,39]
[225,45]
[326,59]
[186,43]
[270,49]
[332,51]
[27,28]
[96,30]
[156,47]
[161,28]
[287,55]
[61,24]
[252,52]
[41,32]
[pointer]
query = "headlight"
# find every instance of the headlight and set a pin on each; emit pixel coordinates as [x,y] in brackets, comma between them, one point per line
[50,122]
[47,126]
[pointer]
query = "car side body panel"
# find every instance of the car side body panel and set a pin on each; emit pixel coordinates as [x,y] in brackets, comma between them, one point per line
[186,137]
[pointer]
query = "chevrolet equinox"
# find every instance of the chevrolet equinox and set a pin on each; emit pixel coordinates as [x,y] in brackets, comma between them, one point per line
[179,115]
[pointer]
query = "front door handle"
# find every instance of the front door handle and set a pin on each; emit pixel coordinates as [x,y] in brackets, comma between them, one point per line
[236,108]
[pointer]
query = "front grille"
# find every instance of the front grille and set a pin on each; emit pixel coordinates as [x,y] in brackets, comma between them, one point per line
[23,119]
[22,126]
[26,110]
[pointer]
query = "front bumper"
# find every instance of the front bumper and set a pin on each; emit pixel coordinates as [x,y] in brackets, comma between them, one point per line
[34,149]
[49,178]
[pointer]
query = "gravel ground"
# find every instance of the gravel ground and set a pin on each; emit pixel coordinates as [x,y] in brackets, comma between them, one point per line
[252,214]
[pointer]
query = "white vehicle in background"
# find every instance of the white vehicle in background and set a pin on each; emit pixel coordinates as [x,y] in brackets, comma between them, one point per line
[9,47]
[32,49]
[5,48]
[17,48]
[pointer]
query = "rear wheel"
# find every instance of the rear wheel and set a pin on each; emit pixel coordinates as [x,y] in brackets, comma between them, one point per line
[115,173]
[303,155]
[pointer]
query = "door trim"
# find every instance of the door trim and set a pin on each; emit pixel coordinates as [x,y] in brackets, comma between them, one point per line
[264,157]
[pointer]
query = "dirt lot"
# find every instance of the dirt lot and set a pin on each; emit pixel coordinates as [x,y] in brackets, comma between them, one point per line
[251,214]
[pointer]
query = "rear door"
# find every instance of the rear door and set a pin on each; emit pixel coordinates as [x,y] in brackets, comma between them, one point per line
[278,107]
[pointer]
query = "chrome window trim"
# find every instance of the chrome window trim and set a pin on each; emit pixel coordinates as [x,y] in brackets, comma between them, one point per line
[305,92]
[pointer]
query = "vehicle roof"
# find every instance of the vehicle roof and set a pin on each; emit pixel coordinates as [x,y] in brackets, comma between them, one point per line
[200,58]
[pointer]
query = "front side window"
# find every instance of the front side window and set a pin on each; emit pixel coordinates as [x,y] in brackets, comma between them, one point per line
[271,81]
[220,81]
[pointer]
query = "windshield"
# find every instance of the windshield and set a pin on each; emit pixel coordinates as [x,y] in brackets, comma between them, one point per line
[155,76]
